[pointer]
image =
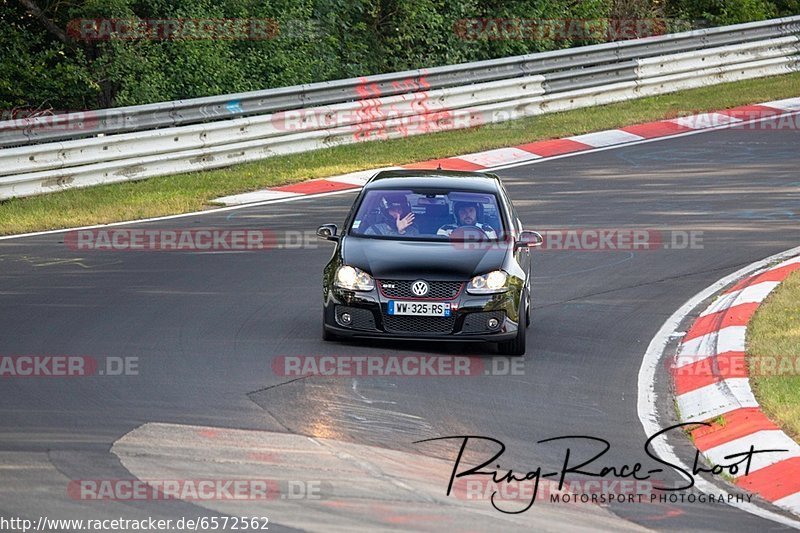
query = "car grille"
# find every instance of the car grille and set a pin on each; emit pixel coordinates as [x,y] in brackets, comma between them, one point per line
[360,318]
[418,324]
[437,290]
[479,322]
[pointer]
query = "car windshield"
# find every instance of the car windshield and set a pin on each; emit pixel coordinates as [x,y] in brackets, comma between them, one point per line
[429,215]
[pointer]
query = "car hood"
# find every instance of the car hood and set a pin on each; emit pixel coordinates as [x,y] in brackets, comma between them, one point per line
[443,261]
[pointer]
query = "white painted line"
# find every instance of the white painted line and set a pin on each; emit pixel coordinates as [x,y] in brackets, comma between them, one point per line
[648,402]
[789,104]
[705,120]
[253,197]
[749,295]
[606,138]
[715,399]
[791,502]
[500,156]
[768,439]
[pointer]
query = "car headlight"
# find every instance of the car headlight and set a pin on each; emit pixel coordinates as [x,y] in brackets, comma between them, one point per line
[354,279]
[491,283]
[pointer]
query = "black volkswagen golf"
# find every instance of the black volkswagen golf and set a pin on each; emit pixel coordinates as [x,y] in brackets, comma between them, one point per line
[436,255]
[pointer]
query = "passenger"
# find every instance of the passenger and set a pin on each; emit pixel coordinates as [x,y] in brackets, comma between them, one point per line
[467,215]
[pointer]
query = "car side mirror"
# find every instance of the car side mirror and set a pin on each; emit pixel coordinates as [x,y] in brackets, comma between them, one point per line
[329,232]
[531,239]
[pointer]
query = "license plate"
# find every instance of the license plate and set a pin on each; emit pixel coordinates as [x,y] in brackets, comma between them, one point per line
[398,307]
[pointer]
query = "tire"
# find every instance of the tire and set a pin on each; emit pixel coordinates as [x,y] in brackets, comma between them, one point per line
[528,312]
[516,346]
[528,308]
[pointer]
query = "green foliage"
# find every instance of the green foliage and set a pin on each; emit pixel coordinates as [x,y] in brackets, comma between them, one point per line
[721,12]
[36,70]
[314,40]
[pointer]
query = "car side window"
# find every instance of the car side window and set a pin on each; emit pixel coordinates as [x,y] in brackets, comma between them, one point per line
[515,222]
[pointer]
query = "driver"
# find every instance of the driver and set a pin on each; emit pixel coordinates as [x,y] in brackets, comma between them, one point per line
[467,216]
[398,218]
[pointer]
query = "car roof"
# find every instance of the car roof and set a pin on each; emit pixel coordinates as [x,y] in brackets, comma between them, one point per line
[444,179]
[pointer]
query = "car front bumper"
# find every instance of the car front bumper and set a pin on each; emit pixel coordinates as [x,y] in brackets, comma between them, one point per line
[469,320]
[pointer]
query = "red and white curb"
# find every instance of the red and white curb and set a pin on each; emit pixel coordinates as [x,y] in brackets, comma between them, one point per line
[542,149]
[710,377]
[653,408]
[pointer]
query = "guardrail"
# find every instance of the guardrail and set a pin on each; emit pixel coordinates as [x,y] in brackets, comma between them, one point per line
[172,137]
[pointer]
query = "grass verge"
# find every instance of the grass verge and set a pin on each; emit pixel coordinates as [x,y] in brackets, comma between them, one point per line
[193,191]
[773,350]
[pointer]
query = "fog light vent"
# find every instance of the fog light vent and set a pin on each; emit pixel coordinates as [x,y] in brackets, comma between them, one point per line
[355,318]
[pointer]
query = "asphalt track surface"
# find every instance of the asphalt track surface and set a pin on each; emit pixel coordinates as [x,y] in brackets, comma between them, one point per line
[206,326]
